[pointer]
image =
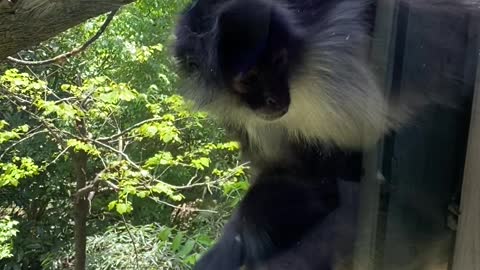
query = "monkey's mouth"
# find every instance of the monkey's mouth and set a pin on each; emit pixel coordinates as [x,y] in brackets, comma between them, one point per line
[271,115]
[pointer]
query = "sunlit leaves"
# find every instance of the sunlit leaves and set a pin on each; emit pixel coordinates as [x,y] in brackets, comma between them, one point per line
[16,82]
[122,207]
[3,124]
[201,163]
[20,168]
[174,101]
[143,53]
[143,194]
[230,146]
[166,131]
[65,111]
[114,93]
[162,188]
[83,146]
[116,102]
[161,158]
[12,134]
[7,232]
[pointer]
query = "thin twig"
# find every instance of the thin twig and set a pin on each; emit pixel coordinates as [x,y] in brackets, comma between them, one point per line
[125,156]
[139,124]
[133,241]
[20,141]
[63,57]
[206,183]
[182,208]
[58,156]
[34,116]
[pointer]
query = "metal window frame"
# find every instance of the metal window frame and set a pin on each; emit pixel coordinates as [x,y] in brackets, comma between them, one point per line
[467,245]
[382,53]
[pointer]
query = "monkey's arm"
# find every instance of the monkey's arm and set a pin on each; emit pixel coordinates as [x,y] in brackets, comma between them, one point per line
[273,217]
[228,253]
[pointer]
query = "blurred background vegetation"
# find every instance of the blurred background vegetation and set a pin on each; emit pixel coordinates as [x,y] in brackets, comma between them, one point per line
[101,146]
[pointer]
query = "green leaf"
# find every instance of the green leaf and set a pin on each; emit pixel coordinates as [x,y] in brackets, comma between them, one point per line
[129,190]
[114,93]
[201,163]
[3,124]
[111,205]
[191,259]
[229,187]
[125,94]
[123,208]
[161,158]
[18,169]
[230,146]
[8,230]
[83,146]
[176,242]
[204,240]
[187,248]
[142,194]
[162,188]
[164,234]
[65,87]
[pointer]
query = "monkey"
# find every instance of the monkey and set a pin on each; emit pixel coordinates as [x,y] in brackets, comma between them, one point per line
[290,80]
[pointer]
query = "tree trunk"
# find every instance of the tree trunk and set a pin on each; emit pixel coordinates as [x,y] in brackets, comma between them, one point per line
[81,205]
[25,23]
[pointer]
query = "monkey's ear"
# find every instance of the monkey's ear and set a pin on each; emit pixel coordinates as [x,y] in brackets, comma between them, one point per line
[243,32]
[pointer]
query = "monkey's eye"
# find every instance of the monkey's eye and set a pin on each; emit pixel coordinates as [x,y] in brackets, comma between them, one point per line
[251,78]
[191,64]
[251,81]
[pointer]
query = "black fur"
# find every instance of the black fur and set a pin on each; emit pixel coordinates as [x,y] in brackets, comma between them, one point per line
[276,214]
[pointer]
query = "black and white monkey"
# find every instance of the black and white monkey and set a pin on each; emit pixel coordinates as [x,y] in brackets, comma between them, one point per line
[290,79]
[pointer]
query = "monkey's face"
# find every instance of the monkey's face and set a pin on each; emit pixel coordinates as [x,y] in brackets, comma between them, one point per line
[264,88]
[237,60]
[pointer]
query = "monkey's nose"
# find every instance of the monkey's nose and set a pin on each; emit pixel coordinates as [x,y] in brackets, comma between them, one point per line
[271,102]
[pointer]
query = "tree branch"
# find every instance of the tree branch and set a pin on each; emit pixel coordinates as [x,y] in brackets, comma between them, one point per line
[63,57]
[133,241]
[139,124]
[20,141]
[58,156]
[15,100]
[157,200]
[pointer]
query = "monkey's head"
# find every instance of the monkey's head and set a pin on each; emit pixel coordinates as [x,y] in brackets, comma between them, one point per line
[241,53]
[298,70]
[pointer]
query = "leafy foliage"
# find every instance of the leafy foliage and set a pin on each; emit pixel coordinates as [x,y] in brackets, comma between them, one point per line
[155,247]
[7,232]
[150,160]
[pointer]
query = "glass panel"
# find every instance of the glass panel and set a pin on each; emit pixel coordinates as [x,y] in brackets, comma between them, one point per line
[411,221]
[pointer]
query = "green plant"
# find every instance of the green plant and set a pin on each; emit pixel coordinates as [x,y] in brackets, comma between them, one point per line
[7,232]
